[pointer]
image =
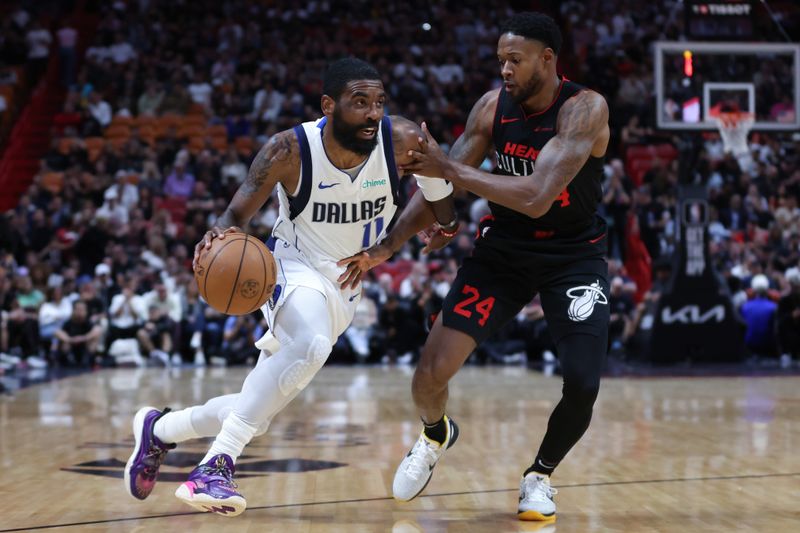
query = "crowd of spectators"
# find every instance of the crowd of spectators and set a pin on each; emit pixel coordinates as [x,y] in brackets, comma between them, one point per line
[170,102]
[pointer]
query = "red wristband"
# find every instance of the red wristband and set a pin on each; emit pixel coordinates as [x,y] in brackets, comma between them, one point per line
[449,234]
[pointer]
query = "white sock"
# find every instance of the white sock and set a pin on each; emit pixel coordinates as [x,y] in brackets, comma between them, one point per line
[207,418]
[234,436]
[176,426]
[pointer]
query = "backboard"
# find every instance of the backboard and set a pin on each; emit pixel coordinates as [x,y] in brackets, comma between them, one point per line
[695,79]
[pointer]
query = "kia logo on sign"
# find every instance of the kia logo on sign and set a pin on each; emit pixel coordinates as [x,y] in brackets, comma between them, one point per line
[690,314]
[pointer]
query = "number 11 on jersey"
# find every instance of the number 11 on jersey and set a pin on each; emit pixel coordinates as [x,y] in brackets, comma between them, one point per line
[367,240]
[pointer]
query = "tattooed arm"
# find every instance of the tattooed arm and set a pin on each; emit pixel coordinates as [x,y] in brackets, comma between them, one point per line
[278,161]
[582,130]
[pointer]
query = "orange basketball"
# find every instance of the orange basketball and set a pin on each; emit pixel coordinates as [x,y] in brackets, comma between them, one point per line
[236,275]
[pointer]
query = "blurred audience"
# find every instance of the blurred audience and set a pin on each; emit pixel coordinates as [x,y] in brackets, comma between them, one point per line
[171,101]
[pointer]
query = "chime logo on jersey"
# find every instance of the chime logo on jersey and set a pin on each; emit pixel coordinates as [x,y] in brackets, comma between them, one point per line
[347,213]
[373,183]
[584,298]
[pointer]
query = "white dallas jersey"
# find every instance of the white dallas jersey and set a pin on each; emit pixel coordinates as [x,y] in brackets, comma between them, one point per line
[331,216]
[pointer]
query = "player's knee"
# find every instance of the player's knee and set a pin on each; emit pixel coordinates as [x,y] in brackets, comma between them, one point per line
[582,357]
[312,354]
[582,389]
[432,373]
[317,352]
[262,428]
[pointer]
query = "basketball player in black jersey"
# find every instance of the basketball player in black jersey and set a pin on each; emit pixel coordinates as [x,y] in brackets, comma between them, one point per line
[543,236]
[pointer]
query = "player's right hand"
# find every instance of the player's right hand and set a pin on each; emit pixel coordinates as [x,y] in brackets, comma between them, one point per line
[429,159]
[357,265]
[205,243]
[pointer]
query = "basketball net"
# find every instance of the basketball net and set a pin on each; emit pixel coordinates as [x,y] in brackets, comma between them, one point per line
[734,128]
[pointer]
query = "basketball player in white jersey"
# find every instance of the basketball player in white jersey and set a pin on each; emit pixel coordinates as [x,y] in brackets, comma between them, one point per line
[337,184]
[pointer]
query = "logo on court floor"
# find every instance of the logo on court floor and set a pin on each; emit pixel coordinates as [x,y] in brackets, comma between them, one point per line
[178,464]
[582,304]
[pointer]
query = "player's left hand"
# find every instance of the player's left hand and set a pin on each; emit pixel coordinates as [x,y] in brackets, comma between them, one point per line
[357,265]
[434,239]
[428,160]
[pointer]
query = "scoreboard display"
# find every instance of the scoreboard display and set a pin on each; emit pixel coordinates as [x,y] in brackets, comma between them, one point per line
[719,19]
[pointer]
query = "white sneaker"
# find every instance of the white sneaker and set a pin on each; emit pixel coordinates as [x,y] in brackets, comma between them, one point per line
[176,359]
[536,498]
[196,340]
[416,469]
[34,361]
[199,358]
[13,360]
[160,356]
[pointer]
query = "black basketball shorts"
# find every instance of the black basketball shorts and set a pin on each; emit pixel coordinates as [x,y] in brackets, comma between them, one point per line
[504,275]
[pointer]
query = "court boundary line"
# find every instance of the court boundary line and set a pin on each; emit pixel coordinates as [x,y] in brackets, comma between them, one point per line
[385,498]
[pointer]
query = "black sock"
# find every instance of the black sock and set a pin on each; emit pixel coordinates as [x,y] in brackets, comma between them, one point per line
[437,431]
[540,467]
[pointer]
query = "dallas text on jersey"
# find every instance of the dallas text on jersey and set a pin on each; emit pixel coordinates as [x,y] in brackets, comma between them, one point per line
[344,213]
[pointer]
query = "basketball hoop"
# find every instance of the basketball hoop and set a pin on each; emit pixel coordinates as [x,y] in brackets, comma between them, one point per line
[734,126]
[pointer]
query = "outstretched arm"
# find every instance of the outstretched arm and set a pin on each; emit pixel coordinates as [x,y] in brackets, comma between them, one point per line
[470,148]
[582,125]
[438,196]
[433,203]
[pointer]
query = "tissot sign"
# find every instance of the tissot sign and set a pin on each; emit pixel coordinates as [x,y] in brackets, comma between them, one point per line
[720,19]
[694,318]
[720,9]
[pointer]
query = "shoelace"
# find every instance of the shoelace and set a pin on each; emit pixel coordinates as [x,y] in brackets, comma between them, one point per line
[222,473]
[538,490]
[419,463]
[154,458]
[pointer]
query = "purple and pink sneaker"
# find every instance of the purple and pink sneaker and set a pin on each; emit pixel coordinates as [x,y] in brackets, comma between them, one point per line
[210,488]
[141,470]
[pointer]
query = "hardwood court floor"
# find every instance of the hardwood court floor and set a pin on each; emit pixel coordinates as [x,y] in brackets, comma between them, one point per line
[665,454]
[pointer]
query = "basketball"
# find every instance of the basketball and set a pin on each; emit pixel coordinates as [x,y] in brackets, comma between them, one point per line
[236,275]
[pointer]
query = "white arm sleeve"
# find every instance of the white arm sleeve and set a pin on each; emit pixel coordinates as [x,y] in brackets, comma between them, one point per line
[434,189]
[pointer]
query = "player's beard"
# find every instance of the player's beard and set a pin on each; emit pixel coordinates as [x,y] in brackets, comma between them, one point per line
[347,135]
[533,86]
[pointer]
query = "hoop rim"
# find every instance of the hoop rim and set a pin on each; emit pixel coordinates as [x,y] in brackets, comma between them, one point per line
[733,119]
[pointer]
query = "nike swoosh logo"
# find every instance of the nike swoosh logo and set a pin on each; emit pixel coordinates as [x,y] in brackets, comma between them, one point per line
[353,297]
[323,186]
[504,120]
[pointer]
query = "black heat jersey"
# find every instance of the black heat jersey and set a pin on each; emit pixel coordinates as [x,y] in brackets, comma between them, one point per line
[518,137]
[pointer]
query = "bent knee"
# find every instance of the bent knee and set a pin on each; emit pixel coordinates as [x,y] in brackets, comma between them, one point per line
[312,355]
[582,391]
[434,372]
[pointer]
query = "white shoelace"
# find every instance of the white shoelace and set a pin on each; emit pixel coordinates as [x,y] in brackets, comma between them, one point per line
[536,489]
[419,463]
